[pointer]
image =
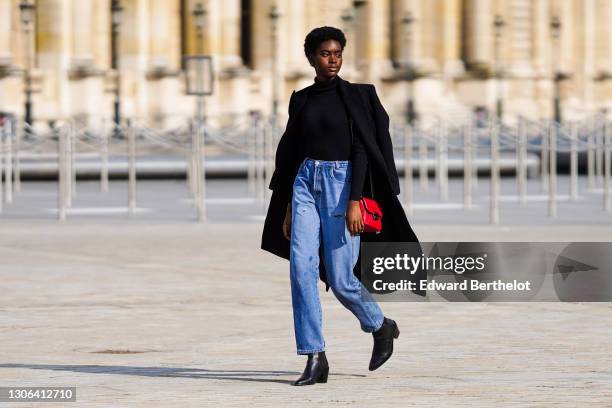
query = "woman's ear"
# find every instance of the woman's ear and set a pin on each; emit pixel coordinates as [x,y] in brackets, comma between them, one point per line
[310,61]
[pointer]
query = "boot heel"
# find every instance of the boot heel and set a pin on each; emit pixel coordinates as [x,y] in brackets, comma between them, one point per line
[323,377]
[396,332]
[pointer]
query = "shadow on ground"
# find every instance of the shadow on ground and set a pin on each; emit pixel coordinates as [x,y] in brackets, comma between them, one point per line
[172,372]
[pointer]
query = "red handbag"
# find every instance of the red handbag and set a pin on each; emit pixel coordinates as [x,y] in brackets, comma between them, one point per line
[371,213]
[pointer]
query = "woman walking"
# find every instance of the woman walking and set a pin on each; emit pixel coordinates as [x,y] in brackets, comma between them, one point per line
[321,168]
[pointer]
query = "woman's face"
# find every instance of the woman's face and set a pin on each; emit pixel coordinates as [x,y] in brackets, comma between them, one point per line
[327,59]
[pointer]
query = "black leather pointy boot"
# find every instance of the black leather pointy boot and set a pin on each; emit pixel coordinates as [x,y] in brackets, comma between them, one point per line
[383,343]
[316,370]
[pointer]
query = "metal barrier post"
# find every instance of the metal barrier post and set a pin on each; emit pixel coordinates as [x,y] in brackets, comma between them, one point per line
[104,159]
[607,147]
[521,162]
[494,216]
[544,164]
[467,167]
[591,155]
[19,129]
[423,168]
[131,167]
[61,174]
[408,168]
[552,187]
[574,163]
[201,162]
[8,161]
[599,152]
[444,136]
[251,136]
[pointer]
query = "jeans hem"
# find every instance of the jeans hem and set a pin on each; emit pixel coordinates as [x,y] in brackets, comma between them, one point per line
[377,327]
[300,352]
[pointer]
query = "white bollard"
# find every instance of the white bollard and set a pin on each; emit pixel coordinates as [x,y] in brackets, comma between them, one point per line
[544,155]
[444,136]
[131,167]
[467,167]
[268,161]
[201,160]
[251,164]
[423,168]
[18,135]
[8,161]
[607,193]
[2,131]
[475,139]
[408,131]
[104,158]
[68,164]
[552,185]
[438,151]
[61,174]
[574,163]
[591,155]
[599,152]
[259,169]
[522,158]
[194,172]
[191,164]
[197,169]
[494,215]
[73,157]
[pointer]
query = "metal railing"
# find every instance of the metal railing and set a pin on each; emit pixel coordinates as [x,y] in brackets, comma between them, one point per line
[473,149]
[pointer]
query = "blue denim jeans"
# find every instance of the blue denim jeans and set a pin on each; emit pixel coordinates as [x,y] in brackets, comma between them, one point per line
[320,197]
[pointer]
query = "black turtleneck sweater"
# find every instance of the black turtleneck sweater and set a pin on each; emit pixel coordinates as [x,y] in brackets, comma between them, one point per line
[324,125]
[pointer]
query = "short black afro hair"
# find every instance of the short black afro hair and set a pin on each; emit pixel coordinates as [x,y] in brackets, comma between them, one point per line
[322,34]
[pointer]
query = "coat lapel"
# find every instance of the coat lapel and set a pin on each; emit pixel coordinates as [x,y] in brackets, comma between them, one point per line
[365,127]
[356,108]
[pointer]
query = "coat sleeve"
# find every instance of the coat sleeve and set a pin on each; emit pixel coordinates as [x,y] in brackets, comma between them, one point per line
[381,121]
[285,152]
[359,158]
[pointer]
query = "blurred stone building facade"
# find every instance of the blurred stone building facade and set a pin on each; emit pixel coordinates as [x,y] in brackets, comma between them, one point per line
[459,59]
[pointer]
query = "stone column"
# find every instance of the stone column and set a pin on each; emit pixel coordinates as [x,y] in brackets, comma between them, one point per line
[479,35]
[261,55]
[5,33]
[541,37]
[164,34]
[82,41]
[134,39]
[588,44]
[372,23]
[15,35]
[603,29]
[432,34]
[415,49]
[223,32]
[89,103]
[101,30]
[451,45]
[293,24]
[54,31]
[518,34]
[541,62]
[566,46]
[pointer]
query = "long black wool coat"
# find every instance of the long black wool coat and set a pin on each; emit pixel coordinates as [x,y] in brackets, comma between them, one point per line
[371,123]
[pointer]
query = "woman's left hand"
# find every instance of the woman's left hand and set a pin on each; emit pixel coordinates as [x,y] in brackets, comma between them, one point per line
[353,218]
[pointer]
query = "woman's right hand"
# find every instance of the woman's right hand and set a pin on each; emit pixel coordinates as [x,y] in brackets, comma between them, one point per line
[287,223]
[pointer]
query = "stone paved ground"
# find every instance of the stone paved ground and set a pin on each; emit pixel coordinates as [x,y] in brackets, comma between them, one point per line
[179,314]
